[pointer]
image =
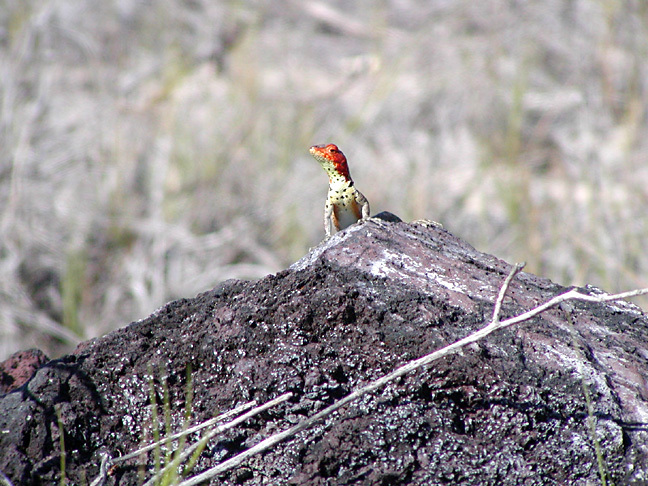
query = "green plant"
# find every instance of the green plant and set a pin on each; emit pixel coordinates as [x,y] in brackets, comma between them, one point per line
[59,419]
[591,417]
[72,285]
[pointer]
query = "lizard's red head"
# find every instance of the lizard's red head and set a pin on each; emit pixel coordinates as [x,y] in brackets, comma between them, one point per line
[331,158]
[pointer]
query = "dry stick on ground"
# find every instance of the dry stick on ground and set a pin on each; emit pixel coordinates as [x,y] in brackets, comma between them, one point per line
[219,429]
[494,325]
[220,418]
[4,480]
[107,461]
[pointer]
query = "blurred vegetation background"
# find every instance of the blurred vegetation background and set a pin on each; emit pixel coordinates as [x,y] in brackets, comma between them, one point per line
[150,150]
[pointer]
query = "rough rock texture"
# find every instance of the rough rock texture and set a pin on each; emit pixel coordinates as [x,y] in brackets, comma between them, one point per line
[509,410]
[19,368]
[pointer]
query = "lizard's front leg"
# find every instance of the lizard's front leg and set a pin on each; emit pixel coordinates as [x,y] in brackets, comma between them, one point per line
[328,223]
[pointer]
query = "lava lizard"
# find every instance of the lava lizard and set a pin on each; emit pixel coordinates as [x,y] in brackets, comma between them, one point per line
[345,205]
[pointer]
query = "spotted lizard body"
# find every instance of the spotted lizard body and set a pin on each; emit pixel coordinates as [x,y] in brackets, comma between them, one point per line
[345,205]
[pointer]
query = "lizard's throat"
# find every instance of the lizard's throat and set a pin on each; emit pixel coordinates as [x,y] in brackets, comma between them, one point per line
[336,178]
[340,184]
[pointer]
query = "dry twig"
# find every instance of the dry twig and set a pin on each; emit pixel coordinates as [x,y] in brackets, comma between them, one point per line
[215,431]
[108,462]
[165,440]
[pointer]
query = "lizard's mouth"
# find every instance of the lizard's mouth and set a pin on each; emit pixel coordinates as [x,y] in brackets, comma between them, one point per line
[317,155]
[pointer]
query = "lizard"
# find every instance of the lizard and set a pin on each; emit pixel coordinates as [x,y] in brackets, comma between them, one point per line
[345,205]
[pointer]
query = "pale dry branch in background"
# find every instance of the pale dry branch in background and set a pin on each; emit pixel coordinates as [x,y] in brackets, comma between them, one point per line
[334,19]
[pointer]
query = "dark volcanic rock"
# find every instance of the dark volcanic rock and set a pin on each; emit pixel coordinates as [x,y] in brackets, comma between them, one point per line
[19,367]
[509,410]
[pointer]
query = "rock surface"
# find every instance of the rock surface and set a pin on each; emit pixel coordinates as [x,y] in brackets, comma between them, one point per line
[509,410]
[19,368]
